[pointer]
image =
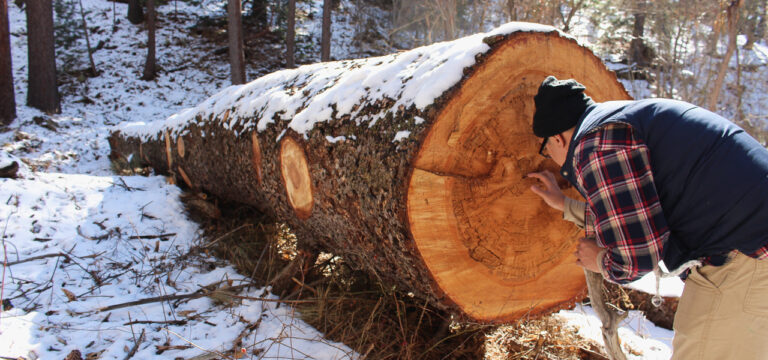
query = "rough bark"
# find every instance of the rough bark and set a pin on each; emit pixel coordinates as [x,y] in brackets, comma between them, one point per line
[290,36]
[43,93]
[444,213]
[325,44]
[135,12]
[7,94]
[235,33]
[639,53]
[150,66]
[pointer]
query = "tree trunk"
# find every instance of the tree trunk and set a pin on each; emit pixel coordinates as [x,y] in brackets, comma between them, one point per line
[259,12]
[7,94]
[93,71]
[325,44]
[150,66]
[732,14]
[420,183]
[235,32]
[290,36]
[135,12]
[639,53]
[43,93]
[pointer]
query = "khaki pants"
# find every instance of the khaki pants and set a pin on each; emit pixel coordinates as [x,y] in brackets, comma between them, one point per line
[723,313]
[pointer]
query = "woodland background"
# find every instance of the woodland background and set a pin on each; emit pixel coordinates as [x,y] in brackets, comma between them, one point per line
[688,50]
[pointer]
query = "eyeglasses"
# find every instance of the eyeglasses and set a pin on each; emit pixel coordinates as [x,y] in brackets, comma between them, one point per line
[544,147]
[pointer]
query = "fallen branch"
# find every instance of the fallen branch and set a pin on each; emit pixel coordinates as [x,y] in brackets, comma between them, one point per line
[608,317]
[160,236]
[38,258]
[135,346]
[169,322]
[195,345]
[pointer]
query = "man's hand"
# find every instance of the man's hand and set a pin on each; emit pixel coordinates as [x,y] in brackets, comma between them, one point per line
[586,254]
[550,193]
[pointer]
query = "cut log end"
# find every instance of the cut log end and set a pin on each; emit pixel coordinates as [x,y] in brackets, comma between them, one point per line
[493,246]
[295,172]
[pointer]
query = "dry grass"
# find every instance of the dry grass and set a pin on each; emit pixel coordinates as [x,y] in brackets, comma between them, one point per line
[350,307]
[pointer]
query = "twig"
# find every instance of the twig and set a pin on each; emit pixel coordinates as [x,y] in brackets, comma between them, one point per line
[151,236]
[38,258]
[225,235]
[195,345]
[169,322]
[135,346]
[125,186]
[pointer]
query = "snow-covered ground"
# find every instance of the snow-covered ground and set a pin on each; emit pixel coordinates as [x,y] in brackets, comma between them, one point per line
[81,239]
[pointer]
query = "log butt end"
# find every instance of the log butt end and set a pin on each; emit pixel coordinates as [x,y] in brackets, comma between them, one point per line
[492,246]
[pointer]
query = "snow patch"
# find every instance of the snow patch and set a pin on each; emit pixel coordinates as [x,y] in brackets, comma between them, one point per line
[401,135]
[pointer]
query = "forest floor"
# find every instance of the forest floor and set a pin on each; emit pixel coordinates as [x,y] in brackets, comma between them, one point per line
[112,266]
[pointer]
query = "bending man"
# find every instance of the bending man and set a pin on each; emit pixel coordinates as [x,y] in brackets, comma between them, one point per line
[666,182]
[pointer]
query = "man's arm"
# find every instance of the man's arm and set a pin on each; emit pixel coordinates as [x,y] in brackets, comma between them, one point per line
[573,210]
[623,210]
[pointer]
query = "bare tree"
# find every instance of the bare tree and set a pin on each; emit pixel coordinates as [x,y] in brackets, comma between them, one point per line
[639,53]
[325,44]
[150,66]
[43,92]
[235,33]
[7,95]
[573,7]
[259,13]
[732,15]
[135,12]
[290,36]
[753,21]
[92,70]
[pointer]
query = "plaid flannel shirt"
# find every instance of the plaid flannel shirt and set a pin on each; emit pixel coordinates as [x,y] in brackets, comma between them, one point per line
[623,212]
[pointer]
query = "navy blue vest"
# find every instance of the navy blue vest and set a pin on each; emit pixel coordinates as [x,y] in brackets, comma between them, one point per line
[711,176]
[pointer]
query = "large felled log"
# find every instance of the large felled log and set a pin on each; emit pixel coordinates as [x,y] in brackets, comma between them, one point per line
[409,166]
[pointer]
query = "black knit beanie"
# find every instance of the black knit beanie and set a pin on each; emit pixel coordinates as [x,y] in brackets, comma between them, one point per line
[559,105]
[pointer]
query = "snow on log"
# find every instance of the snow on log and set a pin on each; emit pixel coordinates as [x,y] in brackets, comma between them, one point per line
[409,166]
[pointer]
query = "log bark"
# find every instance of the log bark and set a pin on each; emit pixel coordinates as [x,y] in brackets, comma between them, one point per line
[421,183]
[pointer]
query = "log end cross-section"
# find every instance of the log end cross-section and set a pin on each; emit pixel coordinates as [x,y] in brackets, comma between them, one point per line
[295,171]
[495,248]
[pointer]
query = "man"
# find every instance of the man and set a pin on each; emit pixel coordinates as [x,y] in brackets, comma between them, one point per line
[666,182]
